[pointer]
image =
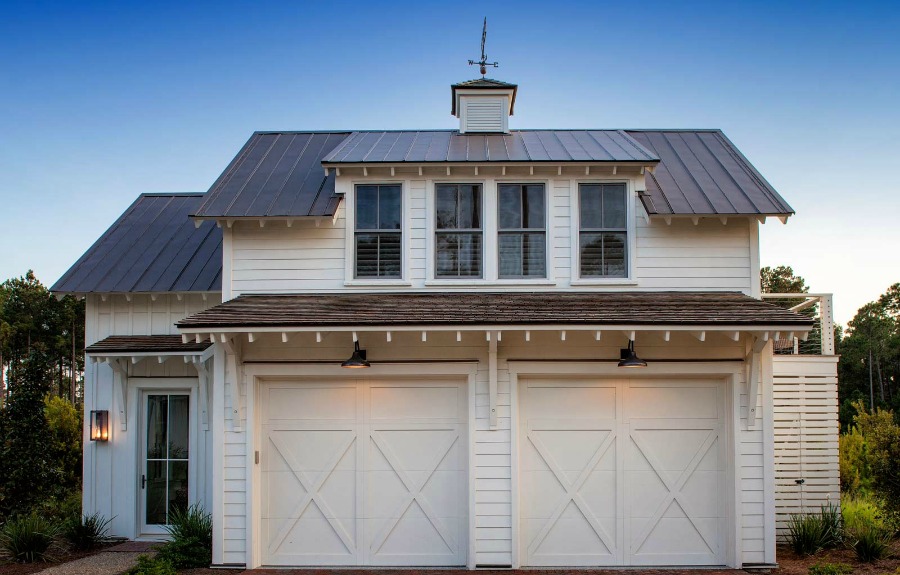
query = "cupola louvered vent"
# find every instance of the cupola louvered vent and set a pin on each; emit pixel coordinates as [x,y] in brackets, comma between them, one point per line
[483,115]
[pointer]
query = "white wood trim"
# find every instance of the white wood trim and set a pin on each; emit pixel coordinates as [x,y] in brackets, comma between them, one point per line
[218,455]
[349,187]
[516,508]
[734,500]
[755,286]
[227,259]
[768,431]
[631,196]
[727,328]
[470,464]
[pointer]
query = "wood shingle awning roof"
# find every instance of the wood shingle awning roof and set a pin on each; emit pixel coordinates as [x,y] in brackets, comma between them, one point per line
[145,344]
[457,309]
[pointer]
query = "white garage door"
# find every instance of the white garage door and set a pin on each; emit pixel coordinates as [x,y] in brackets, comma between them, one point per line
[364,473]
[622,472]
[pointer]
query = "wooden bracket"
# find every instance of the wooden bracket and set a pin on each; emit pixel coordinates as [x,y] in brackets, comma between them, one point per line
[492,377]
[203,382]
[120,382]
[754,358]
[233,351]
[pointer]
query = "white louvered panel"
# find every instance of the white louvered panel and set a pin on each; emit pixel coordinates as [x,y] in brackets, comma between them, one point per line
[483,115]
[806,435]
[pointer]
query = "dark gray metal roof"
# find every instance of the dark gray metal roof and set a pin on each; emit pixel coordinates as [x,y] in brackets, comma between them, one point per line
[518,146]
[702,173]
[276,174]
[153,247]
[556,308]
[483,84]
[145,343]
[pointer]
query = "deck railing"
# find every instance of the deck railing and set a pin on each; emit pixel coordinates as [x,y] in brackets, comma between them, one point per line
[817,306]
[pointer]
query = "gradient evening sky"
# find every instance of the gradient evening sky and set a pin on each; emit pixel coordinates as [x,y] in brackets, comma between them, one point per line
[102,101]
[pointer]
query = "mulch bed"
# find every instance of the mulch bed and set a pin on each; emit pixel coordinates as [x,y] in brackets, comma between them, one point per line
[790,564]
[28,568]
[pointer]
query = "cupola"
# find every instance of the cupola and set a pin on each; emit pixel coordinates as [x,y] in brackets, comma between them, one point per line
[483,105]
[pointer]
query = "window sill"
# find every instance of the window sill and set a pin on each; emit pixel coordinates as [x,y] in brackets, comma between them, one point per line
[377,283]
[489,283]
[605,282]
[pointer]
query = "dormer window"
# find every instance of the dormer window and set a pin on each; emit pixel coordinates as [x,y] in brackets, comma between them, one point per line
[603,231]
[379,252]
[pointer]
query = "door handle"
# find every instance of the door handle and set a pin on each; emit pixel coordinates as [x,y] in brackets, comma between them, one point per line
[143,481]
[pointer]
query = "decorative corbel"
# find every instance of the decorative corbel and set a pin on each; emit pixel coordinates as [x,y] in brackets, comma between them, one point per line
[120,383]
[754,360]
[232,347]
[203,382]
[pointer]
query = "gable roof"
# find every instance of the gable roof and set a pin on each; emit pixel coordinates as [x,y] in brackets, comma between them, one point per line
[276,174]
[702,173]
[527,146]
[153,247]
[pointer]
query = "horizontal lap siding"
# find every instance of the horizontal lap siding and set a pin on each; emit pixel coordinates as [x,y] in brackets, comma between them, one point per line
[806,435]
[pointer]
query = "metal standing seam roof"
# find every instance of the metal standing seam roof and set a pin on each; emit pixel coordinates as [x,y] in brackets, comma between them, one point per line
[702,173]
[531,146]
[153,247]
[276,174]
[551,308]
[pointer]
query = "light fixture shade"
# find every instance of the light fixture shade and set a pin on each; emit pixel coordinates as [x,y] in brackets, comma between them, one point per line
[358,359]
[629,358]
[99,425]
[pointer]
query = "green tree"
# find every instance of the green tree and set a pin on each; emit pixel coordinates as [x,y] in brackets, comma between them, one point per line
[781,279]
[64,422]
[28,472]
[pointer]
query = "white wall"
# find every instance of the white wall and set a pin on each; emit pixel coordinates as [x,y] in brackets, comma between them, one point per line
[110,469]
[493,448]
[678,256]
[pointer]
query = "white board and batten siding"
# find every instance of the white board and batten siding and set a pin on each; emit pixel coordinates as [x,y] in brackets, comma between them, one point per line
[109,469]
[309,257]
[806,435]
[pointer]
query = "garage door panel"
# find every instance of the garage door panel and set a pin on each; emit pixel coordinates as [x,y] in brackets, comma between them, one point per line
[398,485]
[650,494]
[310,403]
[581,400]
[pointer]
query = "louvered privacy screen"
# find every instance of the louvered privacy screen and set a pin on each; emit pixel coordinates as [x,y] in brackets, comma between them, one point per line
[484,115]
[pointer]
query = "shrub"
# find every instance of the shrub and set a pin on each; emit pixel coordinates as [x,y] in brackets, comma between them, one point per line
[64,421]
[807,534]
[149,566]
[854,470]
[191,543]
[861,511]
[87,532]
[830,569]
[62,508]
[830,515]
[882,448]
[870,542]
[28,538]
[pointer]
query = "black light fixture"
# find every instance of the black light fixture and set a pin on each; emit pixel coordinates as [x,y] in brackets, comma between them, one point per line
[358,359]
[100,425]
[629,358]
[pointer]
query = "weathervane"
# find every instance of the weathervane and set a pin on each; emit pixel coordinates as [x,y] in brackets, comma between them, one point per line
[483,63]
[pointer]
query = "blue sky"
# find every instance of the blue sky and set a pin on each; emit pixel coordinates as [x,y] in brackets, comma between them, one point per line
[103,101]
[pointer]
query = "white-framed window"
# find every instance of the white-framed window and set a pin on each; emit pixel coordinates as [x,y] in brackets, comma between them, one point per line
[459,231]
[521,231]
[378,236]
[603,230]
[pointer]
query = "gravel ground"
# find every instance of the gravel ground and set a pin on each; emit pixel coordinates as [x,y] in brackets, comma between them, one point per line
[106,563]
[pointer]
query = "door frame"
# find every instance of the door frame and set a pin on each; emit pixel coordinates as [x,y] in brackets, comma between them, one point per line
[257,373]
[730,373]
[141,387]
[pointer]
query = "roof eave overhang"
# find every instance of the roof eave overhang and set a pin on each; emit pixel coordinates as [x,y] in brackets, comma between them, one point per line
[761,218]
[228,221]
[512,89]
[498,163]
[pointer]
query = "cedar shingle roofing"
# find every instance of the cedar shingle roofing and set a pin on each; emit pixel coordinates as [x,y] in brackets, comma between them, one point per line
[153,247]
[145,343]
[471,309]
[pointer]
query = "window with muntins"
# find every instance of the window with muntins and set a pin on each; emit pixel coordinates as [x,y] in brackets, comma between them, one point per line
[379,241]
[603,231]
[522,233]
[458,231]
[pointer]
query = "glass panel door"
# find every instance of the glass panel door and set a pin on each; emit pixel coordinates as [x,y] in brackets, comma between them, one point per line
[166,452]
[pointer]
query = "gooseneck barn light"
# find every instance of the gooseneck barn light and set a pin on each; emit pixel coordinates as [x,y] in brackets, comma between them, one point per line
[629,358]
[100,425]
[358,359]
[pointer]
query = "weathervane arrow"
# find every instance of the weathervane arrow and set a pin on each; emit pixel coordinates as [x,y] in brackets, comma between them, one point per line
[483,63]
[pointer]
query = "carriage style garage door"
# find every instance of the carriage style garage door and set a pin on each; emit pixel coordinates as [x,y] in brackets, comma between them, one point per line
[622,472]
[364,473]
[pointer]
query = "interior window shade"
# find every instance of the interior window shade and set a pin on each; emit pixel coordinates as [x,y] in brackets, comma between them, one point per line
[603,233]
[522,241]
[378,237]
[458,234]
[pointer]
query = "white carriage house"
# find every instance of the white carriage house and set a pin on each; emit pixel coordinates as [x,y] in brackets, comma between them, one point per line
[563,354]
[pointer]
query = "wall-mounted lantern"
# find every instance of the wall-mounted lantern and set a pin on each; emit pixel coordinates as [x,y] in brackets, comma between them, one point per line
[358,359]
[629,358]
[100,425]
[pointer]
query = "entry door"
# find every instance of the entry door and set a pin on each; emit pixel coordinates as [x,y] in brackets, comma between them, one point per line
[165,458]
[627,472]
[364,472]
